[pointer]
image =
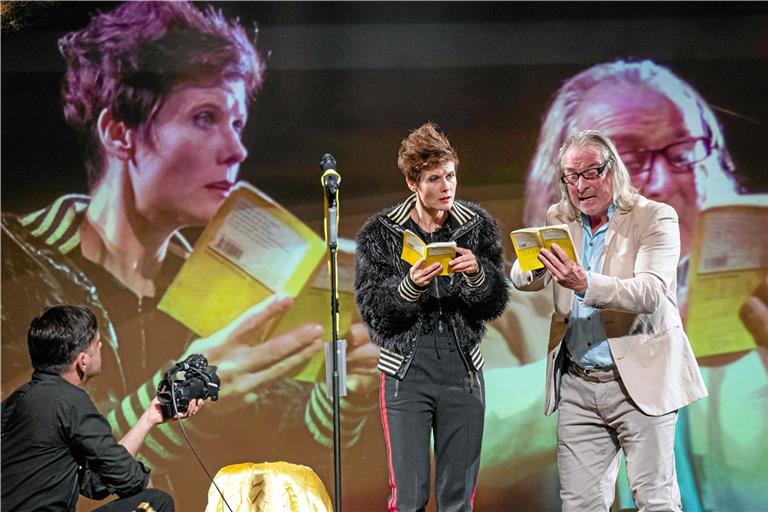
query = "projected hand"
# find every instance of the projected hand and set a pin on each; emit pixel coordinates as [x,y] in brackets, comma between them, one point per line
[362,357]
[754,314]
[245,362]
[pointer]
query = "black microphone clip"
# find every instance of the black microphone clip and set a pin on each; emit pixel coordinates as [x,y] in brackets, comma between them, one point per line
[330,178]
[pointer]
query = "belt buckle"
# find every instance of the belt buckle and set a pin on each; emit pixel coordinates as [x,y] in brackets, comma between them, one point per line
[586,374]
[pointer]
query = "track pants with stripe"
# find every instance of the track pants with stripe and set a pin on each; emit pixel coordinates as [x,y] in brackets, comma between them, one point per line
[437,398]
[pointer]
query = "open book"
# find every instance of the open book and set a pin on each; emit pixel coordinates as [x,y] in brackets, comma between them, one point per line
[252,249]
[414,248]
[529,241]
[729,260]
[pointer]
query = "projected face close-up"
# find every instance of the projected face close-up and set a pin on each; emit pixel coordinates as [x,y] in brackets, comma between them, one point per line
[188,167]
[641,120]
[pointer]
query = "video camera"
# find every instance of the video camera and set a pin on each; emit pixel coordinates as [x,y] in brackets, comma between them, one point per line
[200,381]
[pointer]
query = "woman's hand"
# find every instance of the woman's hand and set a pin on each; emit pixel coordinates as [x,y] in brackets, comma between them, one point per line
[423,276]
[465,262]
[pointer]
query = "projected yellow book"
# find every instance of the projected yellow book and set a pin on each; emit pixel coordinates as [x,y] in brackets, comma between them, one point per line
[529,241]
[252,249]
[314,305]
[414,248]
[729,260]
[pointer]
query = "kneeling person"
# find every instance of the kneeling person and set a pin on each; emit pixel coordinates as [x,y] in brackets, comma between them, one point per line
[56,445]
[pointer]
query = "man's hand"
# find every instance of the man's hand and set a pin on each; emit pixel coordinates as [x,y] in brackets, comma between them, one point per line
[154,412]
[134,438]
[566,272]
[423,276]
[464,262]
[246,362]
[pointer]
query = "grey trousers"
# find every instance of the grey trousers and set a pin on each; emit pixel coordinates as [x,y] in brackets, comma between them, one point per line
[596,419]
[437,399]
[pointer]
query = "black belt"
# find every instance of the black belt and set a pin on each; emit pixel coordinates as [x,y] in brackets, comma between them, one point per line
[595,374]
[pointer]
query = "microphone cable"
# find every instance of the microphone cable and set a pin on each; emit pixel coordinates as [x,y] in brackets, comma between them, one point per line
[189,443]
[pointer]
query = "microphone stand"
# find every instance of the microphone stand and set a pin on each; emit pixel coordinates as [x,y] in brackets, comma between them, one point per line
[331,228]
[332,246]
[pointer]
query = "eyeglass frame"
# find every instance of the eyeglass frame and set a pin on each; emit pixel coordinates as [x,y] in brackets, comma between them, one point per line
[600,170]
[673,167]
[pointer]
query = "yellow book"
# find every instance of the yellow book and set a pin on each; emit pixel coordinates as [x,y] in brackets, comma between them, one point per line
[729,260]
[414,248]
[529,241]
[252,249]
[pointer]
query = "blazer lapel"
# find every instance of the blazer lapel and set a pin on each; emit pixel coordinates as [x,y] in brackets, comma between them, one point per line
[613,227]
[577,233]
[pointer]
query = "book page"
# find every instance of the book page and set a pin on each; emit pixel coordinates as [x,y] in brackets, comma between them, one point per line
[733,240]
[729,260]
[525,240]
[527,245]
[252,249]
[560,236]
[442,253]
[413,247]
[254,239]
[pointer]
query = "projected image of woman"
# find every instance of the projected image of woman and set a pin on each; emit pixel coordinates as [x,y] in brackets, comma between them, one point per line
[159,94]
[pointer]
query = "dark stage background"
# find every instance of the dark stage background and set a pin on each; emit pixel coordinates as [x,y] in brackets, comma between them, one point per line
[352,78]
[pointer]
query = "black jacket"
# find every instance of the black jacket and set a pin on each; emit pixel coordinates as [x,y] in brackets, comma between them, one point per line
[56,446]
[393,307]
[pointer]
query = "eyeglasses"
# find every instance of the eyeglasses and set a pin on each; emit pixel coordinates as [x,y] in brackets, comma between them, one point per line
[680,156]
[588,174]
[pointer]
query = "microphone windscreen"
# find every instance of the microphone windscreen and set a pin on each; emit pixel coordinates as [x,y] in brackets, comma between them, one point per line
[327,162]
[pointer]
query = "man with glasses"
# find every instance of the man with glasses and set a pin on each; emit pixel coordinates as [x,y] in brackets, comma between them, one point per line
[619,365]
[667,137]
[720,442]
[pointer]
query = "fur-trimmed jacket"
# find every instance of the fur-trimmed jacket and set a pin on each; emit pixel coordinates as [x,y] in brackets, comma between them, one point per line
[393,307]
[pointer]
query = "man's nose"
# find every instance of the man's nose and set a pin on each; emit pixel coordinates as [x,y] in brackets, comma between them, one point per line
[660,178]
[582,184]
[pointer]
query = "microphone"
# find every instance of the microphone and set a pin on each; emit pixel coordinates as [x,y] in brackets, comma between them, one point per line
[330,181]
[336,350]
[330,178]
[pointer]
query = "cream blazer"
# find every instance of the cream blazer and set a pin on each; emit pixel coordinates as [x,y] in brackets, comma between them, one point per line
[636,289]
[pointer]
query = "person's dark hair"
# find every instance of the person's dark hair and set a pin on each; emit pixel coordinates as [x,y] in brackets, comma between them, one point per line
[423,148]
[58,335]
[129,59]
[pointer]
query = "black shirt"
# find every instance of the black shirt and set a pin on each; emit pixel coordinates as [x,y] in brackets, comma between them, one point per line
[56,445]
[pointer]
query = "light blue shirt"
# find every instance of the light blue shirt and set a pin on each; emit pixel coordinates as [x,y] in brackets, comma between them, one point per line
[586,339]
